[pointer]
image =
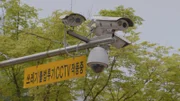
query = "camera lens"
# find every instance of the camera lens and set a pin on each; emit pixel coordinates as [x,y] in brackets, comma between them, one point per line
[78,20]
[124,25]
[97,67]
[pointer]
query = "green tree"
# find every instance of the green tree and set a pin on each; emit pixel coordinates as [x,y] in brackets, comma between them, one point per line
[140,71]
[150,75]
[17,17]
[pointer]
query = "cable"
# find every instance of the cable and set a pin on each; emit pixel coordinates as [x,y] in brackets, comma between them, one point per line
[81,41]
[55,41]
[64,42]
[4,55]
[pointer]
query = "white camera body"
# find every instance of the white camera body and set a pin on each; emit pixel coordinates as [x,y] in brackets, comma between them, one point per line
[98,59]
[103,27]
[73,19]
[120,41]
[108,25]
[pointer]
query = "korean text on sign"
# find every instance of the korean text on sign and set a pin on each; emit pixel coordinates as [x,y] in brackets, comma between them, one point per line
[55,71]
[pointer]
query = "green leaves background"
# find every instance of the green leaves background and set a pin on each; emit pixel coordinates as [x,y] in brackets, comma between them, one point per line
[141,71]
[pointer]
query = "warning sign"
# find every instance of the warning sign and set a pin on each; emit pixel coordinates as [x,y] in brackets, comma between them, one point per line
[55,71]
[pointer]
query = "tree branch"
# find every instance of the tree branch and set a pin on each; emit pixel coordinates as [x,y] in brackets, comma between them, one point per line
[111,93]
[113,63]
[90,91]
[123,96]
[128,97]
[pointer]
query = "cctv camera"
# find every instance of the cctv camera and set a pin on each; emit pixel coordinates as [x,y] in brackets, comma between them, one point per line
[98,59]
[112,20]
[120,41]
[108,25]
[73,19]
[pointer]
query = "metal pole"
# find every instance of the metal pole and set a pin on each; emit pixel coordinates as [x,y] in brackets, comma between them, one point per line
[55,52]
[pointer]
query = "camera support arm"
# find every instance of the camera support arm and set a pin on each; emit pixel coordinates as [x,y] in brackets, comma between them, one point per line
[51,53]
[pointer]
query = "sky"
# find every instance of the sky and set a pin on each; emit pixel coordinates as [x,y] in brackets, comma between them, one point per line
[162,17]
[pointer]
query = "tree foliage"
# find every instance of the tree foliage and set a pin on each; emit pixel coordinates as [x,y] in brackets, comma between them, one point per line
[140,71]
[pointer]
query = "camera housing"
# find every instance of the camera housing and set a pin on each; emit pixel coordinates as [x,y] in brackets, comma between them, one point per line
[102,27]
[98,59]
[73,19]
[108,25]
[120,41]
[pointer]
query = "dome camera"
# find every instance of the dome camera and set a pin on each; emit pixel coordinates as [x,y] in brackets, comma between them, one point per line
[98,59]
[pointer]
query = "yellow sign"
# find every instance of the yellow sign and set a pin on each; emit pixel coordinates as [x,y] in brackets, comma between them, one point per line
[55,71]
